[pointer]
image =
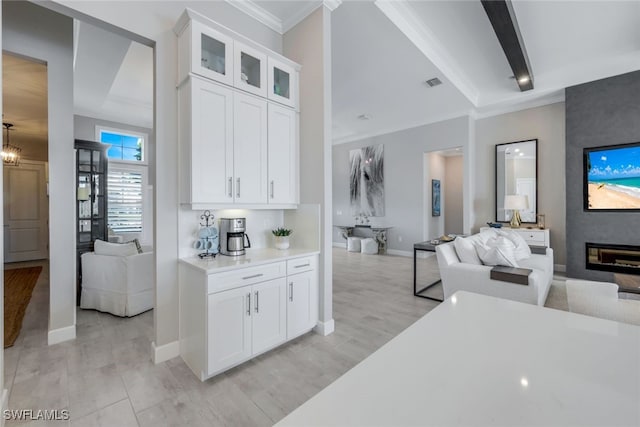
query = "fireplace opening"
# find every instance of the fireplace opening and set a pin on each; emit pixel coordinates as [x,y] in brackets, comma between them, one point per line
[614,258]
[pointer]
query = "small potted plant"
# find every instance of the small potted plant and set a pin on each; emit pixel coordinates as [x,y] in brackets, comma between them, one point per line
[282,237]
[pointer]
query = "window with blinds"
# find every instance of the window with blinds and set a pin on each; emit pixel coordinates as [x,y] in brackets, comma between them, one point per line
[125,188]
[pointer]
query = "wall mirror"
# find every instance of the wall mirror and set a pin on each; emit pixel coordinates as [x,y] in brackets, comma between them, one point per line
[517,173]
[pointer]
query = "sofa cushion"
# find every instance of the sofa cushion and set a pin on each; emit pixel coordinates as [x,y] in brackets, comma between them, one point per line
[497,251]
[522,250]
[466,250]
[101,247]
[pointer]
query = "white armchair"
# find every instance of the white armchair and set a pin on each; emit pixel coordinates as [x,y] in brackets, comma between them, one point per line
[600,299]
[120,285]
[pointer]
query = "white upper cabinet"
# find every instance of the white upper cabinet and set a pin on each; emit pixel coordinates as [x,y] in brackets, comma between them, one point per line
[283,155]
[206,135]
[210,54]
[250,70]
[250,149]
[283,83]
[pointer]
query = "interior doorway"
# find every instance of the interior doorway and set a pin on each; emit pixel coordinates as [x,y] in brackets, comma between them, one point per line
[443,193]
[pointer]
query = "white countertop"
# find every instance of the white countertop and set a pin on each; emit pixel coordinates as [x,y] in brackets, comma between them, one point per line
[483,361]
[252,257]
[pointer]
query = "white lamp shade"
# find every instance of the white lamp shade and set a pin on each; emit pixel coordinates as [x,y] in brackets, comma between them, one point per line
[516,202]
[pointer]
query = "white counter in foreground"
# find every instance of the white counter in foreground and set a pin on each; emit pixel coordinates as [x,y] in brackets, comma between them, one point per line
[483,361]
[252,258]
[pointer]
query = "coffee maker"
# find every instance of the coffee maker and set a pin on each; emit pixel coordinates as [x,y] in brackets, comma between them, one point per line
[232,236]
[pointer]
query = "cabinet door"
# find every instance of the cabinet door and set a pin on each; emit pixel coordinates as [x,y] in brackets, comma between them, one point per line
[211,143]
[269,317]
[283,154]
[228,328]
[250,149]
[211,53]
[283,83]
[302,302]
[250,70]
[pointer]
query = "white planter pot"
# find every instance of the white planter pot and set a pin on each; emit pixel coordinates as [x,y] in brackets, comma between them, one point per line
[282,242]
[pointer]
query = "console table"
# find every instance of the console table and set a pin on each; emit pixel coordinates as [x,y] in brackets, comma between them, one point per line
[426,247]
[533,236]
[379,234]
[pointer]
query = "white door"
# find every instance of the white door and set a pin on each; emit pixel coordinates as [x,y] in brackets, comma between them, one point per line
[211,142]
[269,314]
[26,212]
[228,328]
[283,155]
[302,303]
[250,149]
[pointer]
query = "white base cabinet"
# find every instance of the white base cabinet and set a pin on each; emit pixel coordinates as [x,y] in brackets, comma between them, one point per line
[228,318]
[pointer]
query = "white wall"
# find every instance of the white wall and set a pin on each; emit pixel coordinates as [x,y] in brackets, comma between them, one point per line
[434,169]
[309,44]
[38,33]
[155,21]
[453,218]
[407,204]
[547,124]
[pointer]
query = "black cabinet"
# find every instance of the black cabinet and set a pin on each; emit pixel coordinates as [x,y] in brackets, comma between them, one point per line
[91,198]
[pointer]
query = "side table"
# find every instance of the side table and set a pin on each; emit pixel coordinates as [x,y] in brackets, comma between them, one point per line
[426,247]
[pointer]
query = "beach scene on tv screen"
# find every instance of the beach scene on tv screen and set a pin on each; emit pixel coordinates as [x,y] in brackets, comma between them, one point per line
[614,178]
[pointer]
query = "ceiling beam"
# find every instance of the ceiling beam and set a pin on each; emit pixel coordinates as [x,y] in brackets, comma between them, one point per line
[504,23]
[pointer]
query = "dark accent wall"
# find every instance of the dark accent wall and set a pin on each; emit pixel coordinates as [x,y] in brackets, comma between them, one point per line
[603,112]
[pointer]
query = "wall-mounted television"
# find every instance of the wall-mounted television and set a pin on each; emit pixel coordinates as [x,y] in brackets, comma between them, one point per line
[612,178]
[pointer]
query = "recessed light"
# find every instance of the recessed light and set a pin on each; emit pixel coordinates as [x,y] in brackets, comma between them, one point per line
[433,82]
[524,382]
[522,154]
[523,79]
[364,117]
[517,150]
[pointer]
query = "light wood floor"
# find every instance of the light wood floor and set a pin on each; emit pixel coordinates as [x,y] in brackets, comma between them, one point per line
[105,377]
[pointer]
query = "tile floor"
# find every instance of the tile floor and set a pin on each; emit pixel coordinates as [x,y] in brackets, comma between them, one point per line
[105,376]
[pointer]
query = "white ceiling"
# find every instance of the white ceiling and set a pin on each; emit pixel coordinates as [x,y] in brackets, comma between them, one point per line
[384,50]
[24,98]
[113,77]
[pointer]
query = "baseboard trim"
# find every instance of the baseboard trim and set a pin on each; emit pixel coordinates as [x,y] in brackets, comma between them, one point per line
[56,336]
[164,352]
[560,267]
[5,405]
[339,245]
[325,328]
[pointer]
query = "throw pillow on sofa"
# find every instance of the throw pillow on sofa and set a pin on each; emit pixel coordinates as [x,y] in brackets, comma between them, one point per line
[101,247]
[522,249]
[466,250]
[497,251]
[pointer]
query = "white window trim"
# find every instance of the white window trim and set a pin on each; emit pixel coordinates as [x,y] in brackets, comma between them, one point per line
[144,136]
[146,194]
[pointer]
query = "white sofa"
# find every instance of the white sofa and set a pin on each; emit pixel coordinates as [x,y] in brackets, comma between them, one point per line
[459,276]
[120,285]
[600,299]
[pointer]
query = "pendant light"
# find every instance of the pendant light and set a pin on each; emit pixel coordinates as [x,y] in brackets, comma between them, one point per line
[10,153]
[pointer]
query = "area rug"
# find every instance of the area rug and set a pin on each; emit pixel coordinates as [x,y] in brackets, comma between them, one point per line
[18,287]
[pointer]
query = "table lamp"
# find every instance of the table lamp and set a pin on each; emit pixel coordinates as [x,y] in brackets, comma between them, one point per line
[515,203]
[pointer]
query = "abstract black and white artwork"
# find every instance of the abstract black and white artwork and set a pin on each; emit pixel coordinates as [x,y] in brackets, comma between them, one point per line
[367,181]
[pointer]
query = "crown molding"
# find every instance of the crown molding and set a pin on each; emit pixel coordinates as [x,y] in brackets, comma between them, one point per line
[332,4]
[258,13]
[298,17]
[403,16]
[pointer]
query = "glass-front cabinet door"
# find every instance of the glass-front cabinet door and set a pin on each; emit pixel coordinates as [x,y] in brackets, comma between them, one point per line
[283,83]
[250,67]
[212,54]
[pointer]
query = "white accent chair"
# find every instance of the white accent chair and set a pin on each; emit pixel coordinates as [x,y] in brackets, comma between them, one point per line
[600,299]
[459,276]
[120,285]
